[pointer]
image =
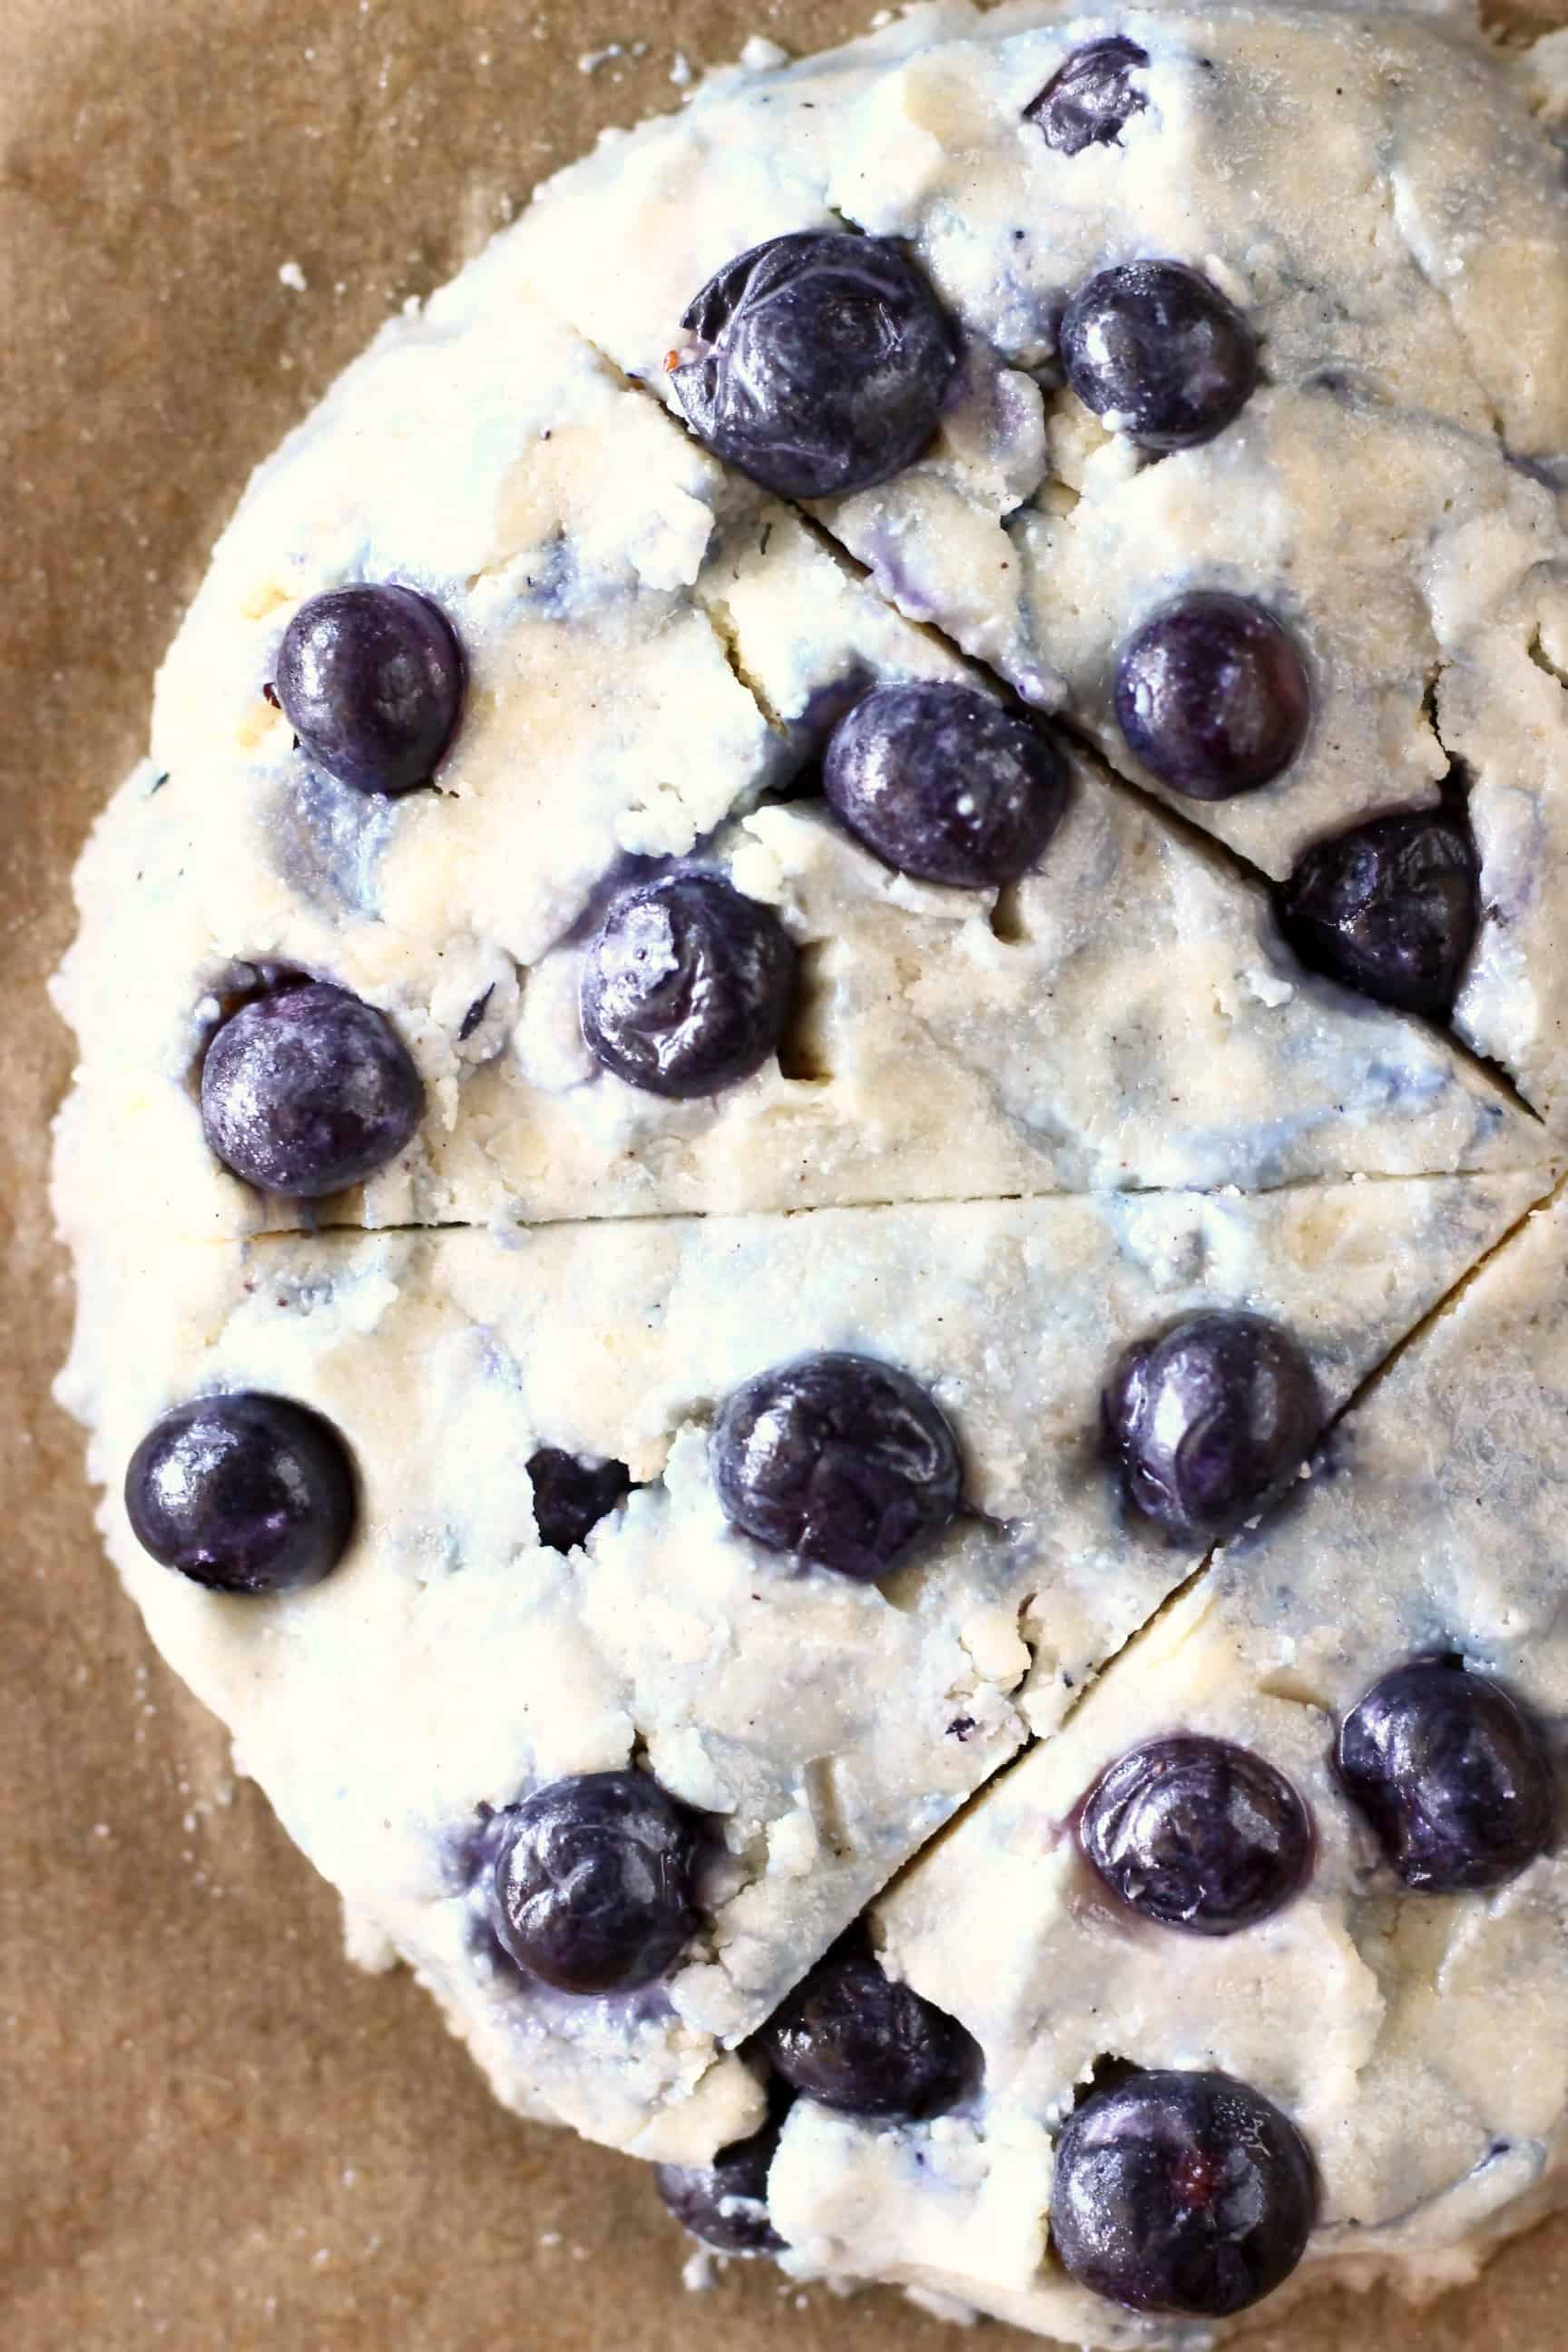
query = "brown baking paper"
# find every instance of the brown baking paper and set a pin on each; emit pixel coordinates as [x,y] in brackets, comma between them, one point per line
[213,2133]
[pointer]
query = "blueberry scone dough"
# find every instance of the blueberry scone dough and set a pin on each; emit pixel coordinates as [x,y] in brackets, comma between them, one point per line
[1421,2038]
[454,1660]
[1371,191]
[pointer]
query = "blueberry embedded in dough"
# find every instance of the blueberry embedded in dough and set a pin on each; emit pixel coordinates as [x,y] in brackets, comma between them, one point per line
[242,1493]
[1213,696]
[309,1090]
[371,679]
[688,986]
[862,2043]
[725,2203]
[1390,909]
[593,1882]
[1454,1775]
[1091,97]
[822,364]
[1197,1833]
[1158,352]
[572,1495]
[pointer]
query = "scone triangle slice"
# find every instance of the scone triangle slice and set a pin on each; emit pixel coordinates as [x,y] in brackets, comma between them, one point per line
[826,1727]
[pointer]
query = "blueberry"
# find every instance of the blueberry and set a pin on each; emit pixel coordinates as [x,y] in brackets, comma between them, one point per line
[1182,2192]
[941,782]
[842,1460]
[826,362]
[572,1495]
[1210,1420]
[1389,907]
[1089,98]
[688,986]
[593,1884]
[1212,695]
[309,1090]
[725,2203]
[1454,1777]
[245,1493]
[1197,1833]
[371,680]
[854,2038]
[1158,351]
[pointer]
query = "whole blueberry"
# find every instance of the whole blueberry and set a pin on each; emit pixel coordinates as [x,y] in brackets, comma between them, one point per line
[1197,1833]
[1210,1420]
[1091,98]
[725,2203]
[840,1459]
[309,1090]
[245,1493]
[1213,696]
[1157,351]
[1454,1778]
[855,2039]
[371,680]
[824,363]
[1182,2192]
[572,1495]
[593,1882]
[688,986]
[943,783]
[1389,907]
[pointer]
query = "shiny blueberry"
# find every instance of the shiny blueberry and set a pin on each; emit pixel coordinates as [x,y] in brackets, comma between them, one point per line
[593,1886]
[1209,1421]
[1182,2192]
[688,986]
[1453,1775]
[824,363]
[1197,1833]
[1389,907]
[570,1495]
[1089,100]
[1157,351]
[852,2038]
[371,680]
[308,1091]
[245,1493]
[1213,696]
[943,783]
[843,1461]
[725,2203]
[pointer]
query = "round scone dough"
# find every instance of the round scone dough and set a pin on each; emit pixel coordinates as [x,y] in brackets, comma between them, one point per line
[1003,1135]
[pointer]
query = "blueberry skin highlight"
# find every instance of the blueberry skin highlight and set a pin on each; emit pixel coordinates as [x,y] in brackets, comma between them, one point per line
[1197,1833]
[688,986]
[308,1091]
[1089,99]
[1390,909]
[843,1461]
[371,679]
[1156,349]
[1213,696]
[940,781]
[244,1494]
[827,361]
[592,1885]
[1454,1778]
[854,2038]
[1182,2192]
[725,2203]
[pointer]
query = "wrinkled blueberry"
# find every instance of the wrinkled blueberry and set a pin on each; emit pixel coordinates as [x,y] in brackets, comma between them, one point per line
[1182,2192]
[688,986]
[824,364]
[572,1495]
[725,2203]
[1212,695]
[593,1886]
[1197,1833]
[1389,907]
[941,782]
[308,1091]
[371,680]
[840,1459]
[1454,1777]
[1210,1420]
[1157,351]
[1091,98]
[245,1493]
[852,2038]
